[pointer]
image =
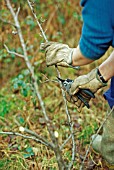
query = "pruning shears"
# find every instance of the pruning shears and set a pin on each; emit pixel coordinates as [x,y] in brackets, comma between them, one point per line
[80,94]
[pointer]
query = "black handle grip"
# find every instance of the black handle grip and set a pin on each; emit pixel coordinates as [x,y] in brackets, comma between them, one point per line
[83,100]
[88,94]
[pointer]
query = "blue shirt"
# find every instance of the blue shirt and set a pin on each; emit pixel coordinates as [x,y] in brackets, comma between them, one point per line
[98,33]
[109,94]
[98,27]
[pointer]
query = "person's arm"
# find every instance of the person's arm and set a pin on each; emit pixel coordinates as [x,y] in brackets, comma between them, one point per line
[78,59]
[107,67]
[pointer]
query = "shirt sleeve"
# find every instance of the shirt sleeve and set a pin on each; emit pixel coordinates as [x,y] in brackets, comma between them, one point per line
[97,32]
[109,94]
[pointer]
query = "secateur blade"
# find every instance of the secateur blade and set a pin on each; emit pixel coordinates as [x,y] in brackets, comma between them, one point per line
[60,79]
[66,83]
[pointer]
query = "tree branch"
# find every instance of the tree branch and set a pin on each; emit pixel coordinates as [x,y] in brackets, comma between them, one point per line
[7,22]
[38,136]
[34,14]
[63,93]
[12,52]
[56,147]
[70,126]
[27,137]
[65,142]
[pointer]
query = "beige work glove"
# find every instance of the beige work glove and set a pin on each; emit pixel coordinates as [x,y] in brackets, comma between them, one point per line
[91,81]
[57,54]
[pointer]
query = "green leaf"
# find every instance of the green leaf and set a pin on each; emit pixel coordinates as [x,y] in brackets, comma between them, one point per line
[15,86]
[28,155]
[2,163]
[12,56]
[21,120]
[20,50]
[24,92]
[26,72]
[61,19]
[24,85]
[15,80]
[31,23]
[4,107]
[8,60]
[20,76]
[20,82]
[29,149]
[77,16]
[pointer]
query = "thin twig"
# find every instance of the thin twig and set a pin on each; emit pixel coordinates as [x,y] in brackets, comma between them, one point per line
[65,142]
[71,127]
[18,10]
[34,14]
[63,93]
[7,22]
[46,81]
[27,137]
[12,52]
[82,165]
[39,137]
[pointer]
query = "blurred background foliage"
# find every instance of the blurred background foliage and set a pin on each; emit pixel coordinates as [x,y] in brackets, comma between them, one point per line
[62,22]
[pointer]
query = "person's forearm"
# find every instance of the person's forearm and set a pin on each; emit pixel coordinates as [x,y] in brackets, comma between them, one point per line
[107,67]
[78,59]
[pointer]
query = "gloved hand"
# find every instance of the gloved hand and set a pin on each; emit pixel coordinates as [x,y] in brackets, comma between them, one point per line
[57,54]
[92,81]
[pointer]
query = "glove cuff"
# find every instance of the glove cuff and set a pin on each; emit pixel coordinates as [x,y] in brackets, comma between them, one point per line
[100,78]
[69,61]
[71,54]
[70,57]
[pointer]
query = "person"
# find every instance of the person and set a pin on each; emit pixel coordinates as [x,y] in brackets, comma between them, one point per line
[97,36]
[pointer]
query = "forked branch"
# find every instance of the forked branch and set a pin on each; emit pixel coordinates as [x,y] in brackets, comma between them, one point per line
[63,93]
